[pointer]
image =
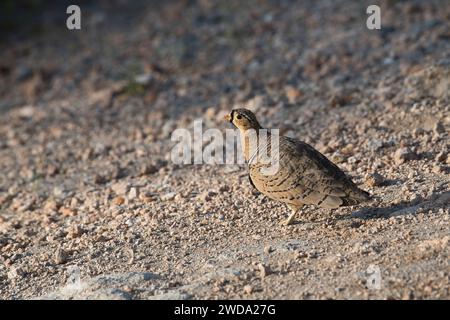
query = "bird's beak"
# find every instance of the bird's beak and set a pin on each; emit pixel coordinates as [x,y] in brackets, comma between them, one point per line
[228,117]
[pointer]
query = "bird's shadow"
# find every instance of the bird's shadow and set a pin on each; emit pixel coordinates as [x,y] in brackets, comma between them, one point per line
[437,200]
[378,211]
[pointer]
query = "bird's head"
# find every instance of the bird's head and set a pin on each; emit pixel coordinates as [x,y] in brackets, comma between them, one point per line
[243,119]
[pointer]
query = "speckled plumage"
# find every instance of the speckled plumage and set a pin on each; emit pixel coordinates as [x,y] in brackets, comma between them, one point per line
[305,176]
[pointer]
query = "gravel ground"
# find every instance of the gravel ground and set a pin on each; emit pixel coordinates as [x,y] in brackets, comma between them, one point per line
[91,205]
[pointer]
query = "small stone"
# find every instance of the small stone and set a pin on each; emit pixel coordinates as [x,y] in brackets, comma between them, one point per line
[27,173]
[60,256]
[74,203]
[408,295]
[74,232]
[441,157]
[91,203]
[340,100]
[133,194]
[293,94]
[428,290]
[118,200]
[348,149]
[178,197]
[67,212]
[147,197]
[143,79]
[120,188]
[375,144]
[168,196]
[438,128]
[267,250]
[167,129]
[100,179]
[337,157]
[207,196]
[148,169]
[22,206]
[210,113]
[374,180]
[417,132]
[4,199]
[264,270]
[436,169]
[248,289]
[224,188]
[51,205]
[15,273]
[59,192]
[404,154]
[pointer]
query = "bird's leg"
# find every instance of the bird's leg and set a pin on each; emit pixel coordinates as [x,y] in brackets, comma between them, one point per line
[291,217]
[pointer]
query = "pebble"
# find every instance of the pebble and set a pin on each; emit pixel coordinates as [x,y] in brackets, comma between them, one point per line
[147,197]
[118,201]
[210,113]
[248,289]
[74,202]
[60,256]
[148,169]
[264,270]
[437,169]
[59,192]
[91,203]
[120,188]
[224,188]
[167,129]
[438,128]
[15,273]
[267,250]
[168,196]
[133,194]
[51,205]
[4,199]
[292,94]
[348,149]
[375,144]
[375,179]
[207,196]
[403,155]
[67,212]
[143,79]
[74,232]
[441,157]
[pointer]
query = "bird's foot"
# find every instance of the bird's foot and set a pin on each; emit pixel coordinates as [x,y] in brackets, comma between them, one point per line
[290,219]
[287,222]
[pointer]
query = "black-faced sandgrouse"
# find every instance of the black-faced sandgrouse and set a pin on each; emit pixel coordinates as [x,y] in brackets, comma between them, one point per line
[302,174]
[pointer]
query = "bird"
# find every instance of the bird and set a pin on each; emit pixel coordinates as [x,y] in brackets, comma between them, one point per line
[303,175]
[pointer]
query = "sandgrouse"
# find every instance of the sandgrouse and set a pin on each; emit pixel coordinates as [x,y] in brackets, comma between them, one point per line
[303,175]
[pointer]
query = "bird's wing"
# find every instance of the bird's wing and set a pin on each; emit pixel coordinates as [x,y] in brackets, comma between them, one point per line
[324,183]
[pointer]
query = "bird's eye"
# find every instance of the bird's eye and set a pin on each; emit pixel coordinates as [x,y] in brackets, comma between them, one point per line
[239,117]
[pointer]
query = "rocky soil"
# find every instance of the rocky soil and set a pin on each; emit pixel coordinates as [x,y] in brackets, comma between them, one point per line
[91,205]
